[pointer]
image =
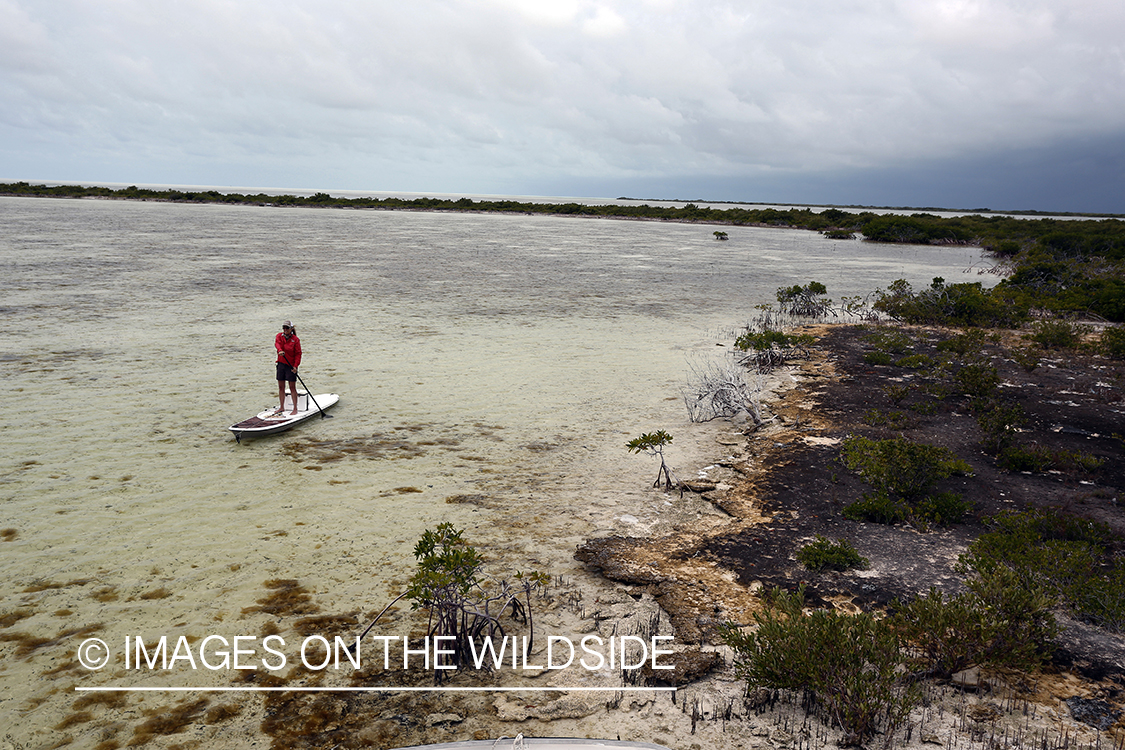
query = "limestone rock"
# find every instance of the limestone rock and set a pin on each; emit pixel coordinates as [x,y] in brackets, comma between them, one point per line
[434,720]
[568,706]
[688,666]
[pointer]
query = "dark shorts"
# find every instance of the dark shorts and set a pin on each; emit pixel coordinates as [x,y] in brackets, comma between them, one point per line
[286,373]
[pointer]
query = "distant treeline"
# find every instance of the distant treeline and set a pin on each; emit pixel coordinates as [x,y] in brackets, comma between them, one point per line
[1062,265]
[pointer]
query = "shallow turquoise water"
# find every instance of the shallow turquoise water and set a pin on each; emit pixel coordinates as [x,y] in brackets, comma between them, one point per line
[498,361]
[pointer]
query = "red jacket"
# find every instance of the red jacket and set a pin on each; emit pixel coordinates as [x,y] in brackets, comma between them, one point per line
[288,349]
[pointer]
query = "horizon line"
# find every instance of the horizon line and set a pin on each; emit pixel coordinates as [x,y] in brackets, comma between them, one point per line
[112,185]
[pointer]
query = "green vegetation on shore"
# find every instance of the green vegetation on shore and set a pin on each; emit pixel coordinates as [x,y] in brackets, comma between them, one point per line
[1029,563]
[865,670]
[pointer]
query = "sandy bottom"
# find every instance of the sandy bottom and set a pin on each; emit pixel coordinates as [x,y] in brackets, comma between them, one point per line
[337,594]
[489,378]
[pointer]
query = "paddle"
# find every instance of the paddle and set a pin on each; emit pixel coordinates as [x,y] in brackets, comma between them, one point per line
[323,414]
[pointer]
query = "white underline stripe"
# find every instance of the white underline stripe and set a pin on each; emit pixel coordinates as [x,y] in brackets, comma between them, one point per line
[374,689]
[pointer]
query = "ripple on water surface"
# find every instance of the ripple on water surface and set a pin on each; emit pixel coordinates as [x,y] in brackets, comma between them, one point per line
[491,369]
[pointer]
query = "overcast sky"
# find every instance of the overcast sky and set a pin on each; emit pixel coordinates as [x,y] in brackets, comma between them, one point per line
[1007,104]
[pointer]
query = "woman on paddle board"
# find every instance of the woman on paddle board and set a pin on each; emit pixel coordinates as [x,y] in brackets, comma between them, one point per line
[288,360]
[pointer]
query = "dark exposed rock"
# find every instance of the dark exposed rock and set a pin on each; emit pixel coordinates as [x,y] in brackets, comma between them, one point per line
[796,487]
[1096,713]
[688,666]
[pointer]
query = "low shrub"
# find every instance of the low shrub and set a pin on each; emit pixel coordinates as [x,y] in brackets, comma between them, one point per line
[1035,458]
[893,341]
[1009,532]
[1100,598]
[925,408]
[900,468]
[987,625]
[969,342]
[944,634]
[939,389]
[919,228]
[896,392]
[942,304]
[877,508]
[824,553]
[915,361]
[1020,626]
[1030,458]
[999,423]
[850,663]
[902,473]
[1025,357]
[1112,342]
[1057,334]
[1079,462]
[1006,248]
[1005,618]
[1067,559]
[977,379]
[761,340]
[942,508]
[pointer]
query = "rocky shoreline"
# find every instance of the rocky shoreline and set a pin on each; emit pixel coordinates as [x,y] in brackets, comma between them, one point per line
[783,485]
[772,489]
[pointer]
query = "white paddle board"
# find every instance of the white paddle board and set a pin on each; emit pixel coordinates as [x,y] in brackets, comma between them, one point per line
[272,421]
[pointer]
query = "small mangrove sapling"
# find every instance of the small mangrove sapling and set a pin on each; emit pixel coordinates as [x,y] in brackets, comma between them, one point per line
[653,444]
[464,604]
